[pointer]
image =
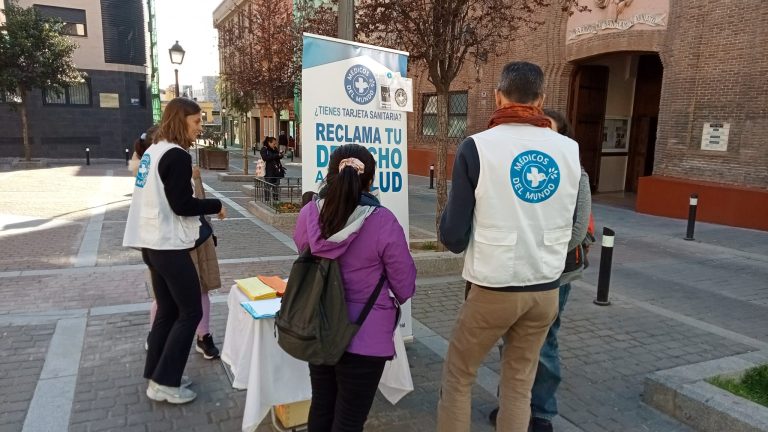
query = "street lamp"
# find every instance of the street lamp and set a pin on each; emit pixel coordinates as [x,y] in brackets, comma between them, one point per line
[177,56]
[224,121]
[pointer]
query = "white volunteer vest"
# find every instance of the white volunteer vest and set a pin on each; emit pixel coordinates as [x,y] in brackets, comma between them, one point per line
[525,198]
[151,222]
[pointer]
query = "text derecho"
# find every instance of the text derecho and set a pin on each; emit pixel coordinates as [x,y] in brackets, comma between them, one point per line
[383,143]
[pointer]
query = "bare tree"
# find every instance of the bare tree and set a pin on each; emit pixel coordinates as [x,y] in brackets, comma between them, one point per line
[442,36]
[261,52]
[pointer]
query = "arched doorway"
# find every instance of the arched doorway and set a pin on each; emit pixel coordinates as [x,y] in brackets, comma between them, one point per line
[614,108]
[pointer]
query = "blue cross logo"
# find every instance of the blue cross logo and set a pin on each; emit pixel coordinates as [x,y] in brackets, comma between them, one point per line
[360,84]
[141,175]
[535,176]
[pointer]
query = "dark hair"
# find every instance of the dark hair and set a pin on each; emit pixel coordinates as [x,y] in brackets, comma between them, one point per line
[173,126]
[141,145]
[563,127]
[521,82]
[343,188]
[268,139]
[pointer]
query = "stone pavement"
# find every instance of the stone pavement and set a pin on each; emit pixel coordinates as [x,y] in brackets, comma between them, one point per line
[73,320]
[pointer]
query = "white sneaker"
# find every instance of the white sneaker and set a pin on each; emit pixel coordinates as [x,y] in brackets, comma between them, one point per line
[174,395]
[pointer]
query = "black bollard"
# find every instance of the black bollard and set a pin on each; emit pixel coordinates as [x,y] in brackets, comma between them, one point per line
[606,259]
[126,157]
[432,176]
[693,202]
[87,156]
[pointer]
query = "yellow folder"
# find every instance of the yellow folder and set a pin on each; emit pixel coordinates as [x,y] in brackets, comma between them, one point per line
[255,289]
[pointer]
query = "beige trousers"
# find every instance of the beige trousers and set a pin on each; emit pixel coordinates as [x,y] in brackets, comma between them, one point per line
[522,319]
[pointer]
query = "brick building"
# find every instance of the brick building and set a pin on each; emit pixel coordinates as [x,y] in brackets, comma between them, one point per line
[667,98]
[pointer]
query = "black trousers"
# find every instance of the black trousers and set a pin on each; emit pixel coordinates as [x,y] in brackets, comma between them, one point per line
[179,310]
[342,395]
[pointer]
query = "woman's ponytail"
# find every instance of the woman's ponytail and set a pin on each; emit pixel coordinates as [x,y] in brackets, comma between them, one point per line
[345,183]
[341,199]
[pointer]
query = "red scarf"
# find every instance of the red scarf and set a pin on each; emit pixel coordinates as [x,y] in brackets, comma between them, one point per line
[519,113]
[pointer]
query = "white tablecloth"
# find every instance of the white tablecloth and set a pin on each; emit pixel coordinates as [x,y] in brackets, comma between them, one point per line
[273,377]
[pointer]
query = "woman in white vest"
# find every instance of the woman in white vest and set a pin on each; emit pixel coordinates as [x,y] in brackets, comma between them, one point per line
[163,221]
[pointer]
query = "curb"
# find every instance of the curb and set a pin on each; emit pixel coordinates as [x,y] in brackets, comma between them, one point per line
[684,394]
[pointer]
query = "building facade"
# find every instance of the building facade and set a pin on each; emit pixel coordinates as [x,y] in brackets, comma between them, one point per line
[260,121]
[667,99]
[112,107]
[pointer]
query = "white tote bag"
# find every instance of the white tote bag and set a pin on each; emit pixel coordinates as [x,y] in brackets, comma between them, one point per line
[396,381]
[261,168]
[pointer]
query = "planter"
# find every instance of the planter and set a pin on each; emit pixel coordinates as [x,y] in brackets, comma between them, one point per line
[684,393]
[214,159]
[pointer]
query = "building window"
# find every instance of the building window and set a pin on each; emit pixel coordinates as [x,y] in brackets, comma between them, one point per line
[124,31]
[77,94]
[73,19]
[457,114]
[143,94]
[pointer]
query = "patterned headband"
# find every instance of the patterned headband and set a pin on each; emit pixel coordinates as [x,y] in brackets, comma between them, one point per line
[354,163]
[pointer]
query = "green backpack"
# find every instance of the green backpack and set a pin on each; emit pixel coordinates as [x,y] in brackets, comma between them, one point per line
[313,324]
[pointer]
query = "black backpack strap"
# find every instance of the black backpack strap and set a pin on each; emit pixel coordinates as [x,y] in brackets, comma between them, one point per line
[371,300]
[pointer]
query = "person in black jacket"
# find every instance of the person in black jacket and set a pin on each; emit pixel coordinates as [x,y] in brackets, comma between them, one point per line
[273,169]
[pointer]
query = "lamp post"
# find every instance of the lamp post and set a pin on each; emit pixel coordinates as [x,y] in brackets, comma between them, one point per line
[177,57]
[224,121]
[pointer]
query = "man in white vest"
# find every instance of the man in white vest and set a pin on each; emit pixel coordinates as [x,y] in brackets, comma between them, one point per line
[510,210]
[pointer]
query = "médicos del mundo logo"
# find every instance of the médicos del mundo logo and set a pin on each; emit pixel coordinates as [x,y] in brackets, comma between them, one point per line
[360,84]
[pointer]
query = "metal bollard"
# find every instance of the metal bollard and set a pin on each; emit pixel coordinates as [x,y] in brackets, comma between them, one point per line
[606,259]
[432,176]
[126,157]
[87,156]
[693,202]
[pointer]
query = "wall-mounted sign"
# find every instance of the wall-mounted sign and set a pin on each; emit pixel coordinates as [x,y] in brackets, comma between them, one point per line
[618,24]
[109,100]
[613,16]
[715,136]
[615,134]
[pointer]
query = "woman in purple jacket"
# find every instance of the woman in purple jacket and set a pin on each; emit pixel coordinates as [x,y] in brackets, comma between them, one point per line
[347,223]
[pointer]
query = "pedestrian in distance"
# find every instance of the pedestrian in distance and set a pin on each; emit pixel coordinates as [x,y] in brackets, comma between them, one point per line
[282,141]
[548,374]
[347,223]
[163,222]
[204,257]
[515,237]
[273,168]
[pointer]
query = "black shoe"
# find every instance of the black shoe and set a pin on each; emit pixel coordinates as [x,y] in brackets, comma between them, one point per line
[492,416]
[540,425]
[207,348]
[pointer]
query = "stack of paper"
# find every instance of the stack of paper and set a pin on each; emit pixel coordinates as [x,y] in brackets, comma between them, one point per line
[262,308]
[274,282]
[255,289]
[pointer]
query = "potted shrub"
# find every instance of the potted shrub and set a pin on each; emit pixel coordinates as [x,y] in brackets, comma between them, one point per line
[212,157]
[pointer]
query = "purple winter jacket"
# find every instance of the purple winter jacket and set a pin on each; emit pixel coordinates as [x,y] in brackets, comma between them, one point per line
[377,247]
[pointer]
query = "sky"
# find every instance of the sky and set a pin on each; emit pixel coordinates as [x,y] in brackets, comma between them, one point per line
[191,23]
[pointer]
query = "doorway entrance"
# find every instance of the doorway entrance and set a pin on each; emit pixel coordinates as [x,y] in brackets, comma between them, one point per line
[614,109]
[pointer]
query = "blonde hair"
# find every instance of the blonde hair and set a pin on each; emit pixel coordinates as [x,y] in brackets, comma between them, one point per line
[173,126]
